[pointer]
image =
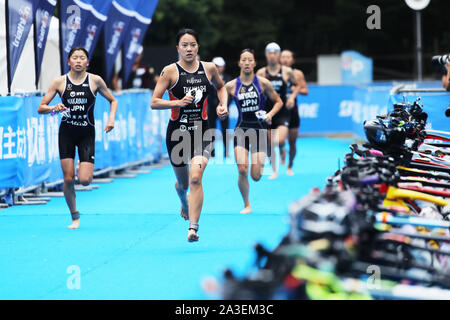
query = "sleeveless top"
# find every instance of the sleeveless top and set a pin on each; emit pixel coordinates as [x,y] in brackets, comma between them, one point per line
[79,100]
[278,84]
[249,99]
[196,83]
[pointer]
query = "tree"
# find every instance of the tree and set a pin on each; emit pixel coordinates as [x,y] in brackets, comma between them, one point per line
[309,28]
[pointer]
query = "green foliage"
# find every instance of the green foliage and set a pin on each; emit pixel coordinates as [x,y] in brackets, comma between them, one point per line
[308,27]
[200,15]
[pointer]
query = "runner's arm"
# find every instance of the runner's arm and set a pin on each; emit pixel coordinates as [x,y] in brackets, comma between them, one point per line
[44,108]
[290,103]
[270,92]
[164,83]
[301,82]
[105,92]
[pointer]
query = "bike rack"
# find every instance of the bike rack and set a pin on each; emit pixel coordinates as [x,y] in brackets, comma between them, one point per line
[402,88]
[3,205]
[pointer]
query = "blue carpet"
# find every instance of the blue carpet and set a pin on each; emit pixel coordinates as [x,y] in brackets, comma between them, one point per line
[132,242]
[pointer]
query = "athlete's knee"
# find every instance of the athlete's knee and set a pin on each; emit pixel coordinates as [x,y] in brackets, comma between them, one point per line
[69,178]
[292,148]
[292,140]
[184,185]
[243,170]
[195,180]
[85,181]
[256,175]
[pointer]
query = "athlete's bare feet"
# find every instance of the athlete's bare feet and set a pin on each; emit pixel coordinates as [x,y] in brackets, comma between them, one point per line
[289,172]
[75,224]
[192,235]
[246,210]
[274,175]
[184,198]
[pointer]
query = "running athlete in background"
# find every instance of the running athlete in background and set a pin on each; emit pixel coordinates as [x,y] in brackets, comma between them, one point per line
[279,76]
[78,90]
[189,84]
[287,59]
[250,135]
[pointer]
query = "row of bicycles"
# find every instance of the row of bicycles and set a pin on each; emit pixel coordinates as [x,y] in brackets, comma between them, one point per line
[379,229]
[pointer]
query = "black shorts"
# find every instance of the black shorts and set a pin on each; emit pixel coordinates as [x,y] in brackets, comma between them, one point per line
[254,140]
[294,119]
[70,137]
[281,118]
[186,141]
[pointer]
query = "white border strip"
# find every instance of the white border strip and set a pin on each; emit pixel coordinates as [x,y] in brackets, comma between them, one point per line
[142,19]
[123,10]
[83,5]
[90,8]
[99,15]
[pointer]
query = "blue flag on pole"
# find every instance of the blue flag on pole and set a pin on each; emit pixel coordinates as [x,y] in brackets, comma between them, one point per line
[43,16]
[93,25]
[135,34]
[20,17]
[73,14]
[119,17]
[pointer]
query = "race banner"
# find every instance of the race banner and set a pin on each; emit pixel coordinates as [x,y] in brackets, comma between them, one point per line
[135,34]
[19,20]
[43,16]
[73,14]
[119,17]
[93,25]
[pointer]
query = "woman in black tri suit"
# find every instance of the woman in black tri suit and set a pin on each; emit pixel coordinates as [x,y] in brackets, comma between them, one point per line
[78,90]
[249,92]
[188,139]
[287,59]
[278,76]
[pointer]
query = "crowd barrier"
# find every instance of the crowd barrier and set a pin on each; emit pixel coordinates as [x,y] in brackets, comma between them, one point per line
[29,141]
[329,109]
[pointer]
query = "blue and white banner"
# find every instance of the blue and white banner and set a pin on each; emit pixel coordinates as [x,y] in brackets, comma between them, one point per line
[29,152]
[73,15]
[92,27]
[338,109]
[119,17]
[28,143]
[356,68]
[20,17]
[135,34]
[43,16]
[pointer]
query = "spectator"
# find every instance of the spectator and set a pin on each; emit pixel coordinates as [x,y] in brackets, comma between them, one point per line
[141,76]
[446,76]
